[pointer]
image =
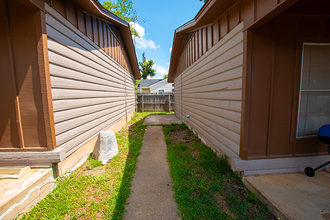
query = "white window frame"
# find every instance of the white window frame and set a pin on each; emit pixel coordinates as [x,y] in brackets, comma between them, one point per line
[300,86]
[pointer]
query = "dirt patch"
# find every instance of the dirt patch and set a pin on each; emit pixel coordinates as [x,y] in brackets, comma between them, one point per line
[186,137]
[93,172]
[221,202]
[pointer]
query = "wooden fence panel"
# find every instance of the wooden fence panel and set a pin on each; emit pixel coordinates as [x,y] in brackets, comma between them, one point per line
[155,102]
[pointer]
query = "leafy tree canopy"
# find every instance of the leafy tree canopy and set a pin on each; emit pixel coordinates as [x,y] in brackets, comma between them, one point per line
[147,70]
[123,9]
[146,67]
[165,76]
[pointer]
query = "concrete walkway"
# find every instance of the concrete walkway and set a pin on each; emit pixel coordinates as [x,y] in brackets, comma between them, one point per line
[161,120]
[289,195]
[152,195]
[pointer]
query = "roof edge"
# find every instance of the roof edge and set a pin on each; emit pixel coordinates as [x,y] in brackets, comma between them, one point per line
[94,7]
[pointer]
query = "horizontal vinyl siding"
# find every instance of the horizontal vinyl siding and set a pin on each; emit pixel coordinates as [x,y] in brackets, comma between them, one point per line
[177,96]
[210,91]
[90,90]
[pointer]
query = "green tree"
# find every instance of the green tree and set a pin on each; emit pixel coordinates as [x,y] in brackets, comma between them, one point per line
[203,1]
[146,67]
[123,9]
[165,76]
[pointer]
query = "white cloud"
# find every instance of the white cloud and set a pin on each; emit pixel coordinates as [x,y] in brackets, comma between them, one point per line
[160,69]
[138,28]
[143,42]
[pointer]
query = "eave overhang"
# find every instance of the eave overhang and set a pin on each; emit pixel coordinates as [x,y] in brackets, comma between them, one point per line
[94,7]
[212,10]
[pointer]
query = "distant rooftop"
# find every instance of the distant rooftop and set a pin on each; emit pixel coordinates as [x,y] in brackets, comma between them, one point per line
[148,82]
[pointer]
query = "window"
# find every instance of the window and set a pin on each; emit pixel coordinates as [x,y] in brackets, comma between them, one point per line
[160,91]
[314,103]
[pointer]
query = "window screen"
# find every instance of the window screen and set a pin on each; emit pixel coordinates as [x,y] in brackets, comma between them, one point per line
[314,104]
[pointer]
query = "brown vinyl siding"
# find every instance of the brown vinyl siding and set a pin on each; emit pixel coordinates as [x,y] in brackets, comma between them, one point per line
[91,92]
[275,82]
[23,120]
[210,92]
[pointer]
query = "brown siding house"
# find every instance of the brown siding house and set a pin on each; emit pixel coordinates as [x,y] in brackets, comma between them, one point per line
[67,72]
[253,76]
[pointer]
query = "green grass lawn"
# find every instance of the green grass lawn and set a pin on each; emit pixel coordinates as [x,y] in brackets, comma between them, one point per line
[94,191]
[204,184]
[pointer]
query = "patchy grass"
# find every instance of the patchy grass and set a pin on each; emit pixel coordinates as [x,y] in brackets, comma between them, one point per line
[204,184]
[93,163]
[94,191]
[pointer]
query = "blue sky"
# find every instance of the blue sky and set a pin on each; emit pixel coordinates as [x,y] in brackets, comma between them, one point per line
[161,19]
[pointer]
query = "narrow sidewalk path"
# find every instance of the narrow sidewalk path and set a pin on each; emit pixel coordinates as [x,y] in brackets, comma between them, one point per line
[152,195]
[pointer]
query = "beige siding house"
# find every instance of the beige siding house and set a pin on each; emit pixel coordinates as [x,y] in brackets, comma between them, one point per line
[68,72]
[237,71]
[90,90]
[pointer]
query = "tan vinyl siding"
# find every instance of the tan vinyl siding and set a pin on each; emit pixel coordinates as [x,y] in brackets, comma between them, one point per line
[91,90]
[210,91]
[96,29]
[177,96]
